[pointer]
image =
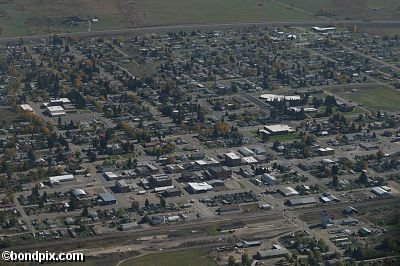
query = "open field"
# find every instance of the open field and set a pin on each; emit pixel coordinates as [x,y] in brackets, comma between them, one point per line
[191,257]
[351,9]
[29,17]
[381,98]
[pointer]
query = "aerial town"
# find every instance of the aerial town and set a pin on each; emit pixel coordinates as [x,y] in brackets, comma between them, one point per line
[253,145]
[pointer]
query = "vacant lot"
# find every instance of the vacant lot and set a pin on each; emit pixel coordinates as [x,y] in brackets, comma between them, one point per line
[28,17]
[190,257]
[378,98]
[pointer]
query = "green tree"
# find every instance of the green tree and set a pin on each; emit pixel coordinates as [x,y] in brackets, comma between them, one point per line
[245,260]
[163,203]
[135,205]
[231,261]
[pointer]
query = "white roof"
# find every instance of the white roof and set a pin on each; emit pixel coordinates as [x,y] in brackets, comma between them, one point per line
[26,107]
[379,191]
[63,100]
[279,128]
[111,174]
[55,108]
[268,177]
[289,191]
[200,186]
[325,149]
[323,29]
[61,178]
[249,159]
[232,155]
[271,97]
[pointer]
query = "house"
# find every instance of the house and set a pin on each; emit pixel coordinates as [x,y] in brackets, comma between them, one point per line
[26,108]
[349,210]
[106,199]
[364,231]
[326,151]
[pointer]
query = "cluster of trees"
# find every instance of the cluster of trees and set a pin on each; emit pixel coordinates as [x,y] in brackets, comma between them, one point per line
[245,261]
[140,134]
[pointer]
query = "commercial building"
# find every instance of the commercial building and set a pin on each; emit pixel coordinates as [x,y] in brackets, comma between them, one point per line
[269,179]
[121,186]
[160,180]
[216,183]
[301,201]
[232,159]
[249,160]
[219,172]
[246,151]
[272,253]
[106,199]
[173,192]
[110,176]
[278,129]
[79,193]
[380,192]
[247,244]
[288,191]
[275,97]
[55,111]
[199,187]
[55,180]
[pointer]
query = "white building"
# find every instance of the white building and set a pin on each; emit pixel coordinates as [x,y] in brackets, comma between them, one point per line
[199,187]
[55,111]
[26,108]
[274,97]
[269,179]
[278,129]
[55,180]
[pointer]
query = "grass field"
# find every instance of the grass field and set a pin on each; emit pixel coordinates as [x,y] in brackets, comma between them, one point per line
[381,98]
[190,257]
[26,17]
